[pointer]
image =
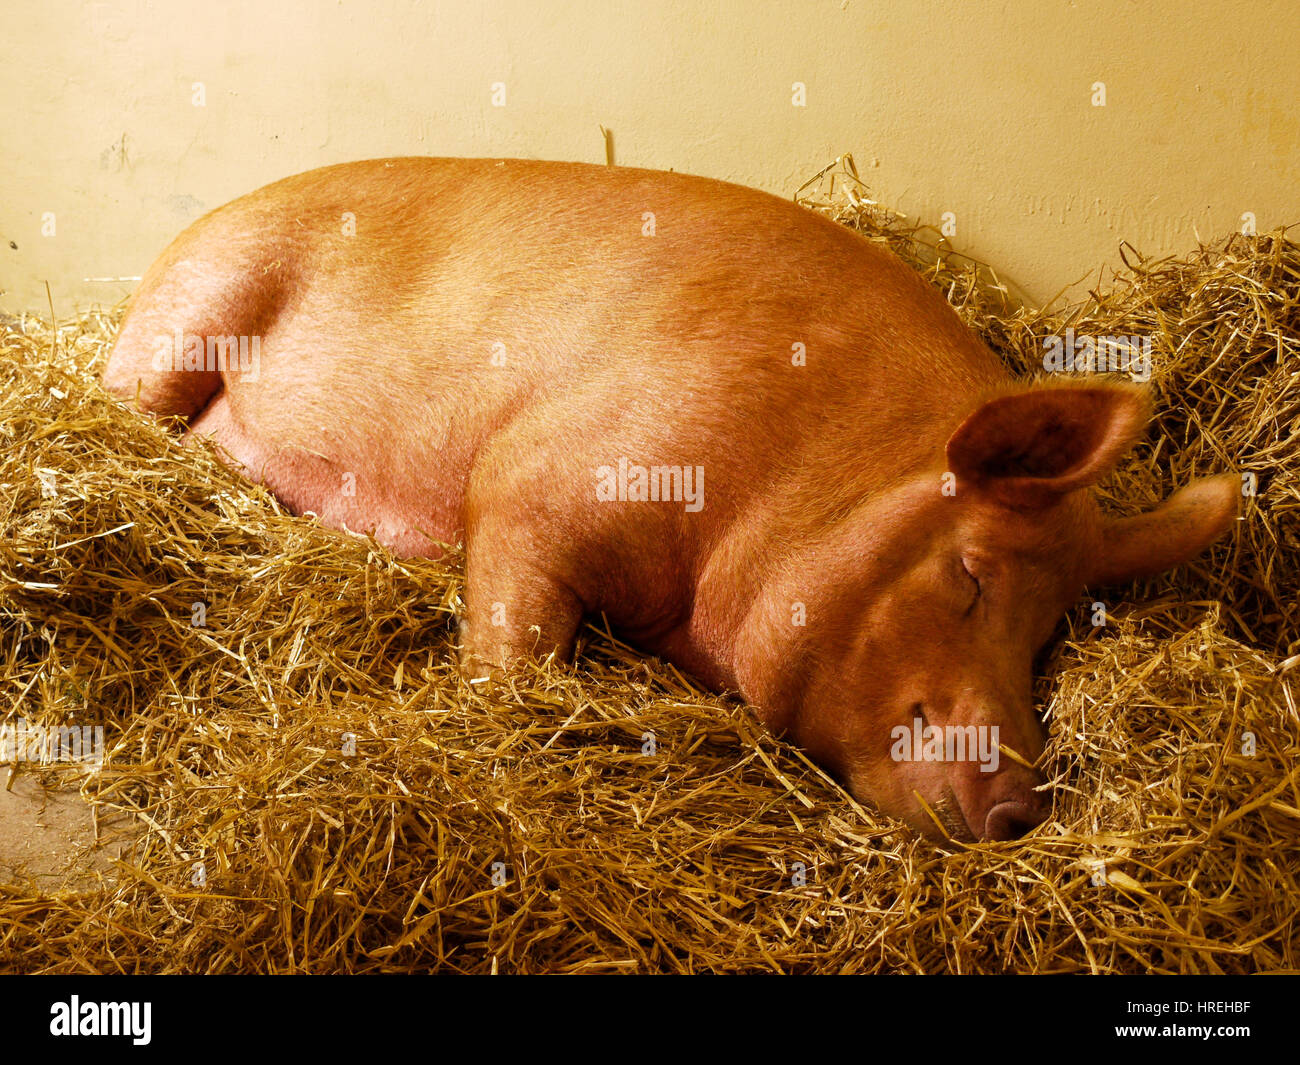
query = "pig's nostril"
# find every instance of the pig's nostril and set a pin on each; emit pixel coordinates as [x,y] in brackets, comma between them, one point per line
[1014,818]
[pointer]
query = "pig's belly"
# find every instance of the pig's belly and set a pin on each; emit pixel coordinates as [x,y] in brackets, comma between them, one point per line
[381,482]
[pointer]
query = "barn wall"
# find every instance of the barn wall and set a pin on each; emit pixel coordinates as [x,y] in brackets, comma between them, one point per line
[983,110]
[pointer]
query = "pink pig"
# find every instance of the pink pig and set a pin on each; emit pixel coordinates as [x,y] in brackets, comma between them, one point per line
[758,443]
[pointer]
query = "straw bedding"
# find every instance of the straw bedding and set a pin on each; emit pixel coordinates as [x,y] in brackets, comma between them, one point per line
[318,790]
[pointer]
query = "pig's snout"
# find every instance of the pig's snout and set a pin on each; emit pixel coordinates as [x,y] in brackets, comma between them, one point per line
[1004,805]
[1015,817]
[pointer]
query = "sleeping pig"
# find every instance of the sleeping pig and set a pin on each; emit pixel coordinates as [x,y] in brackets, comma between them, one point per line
[757,442]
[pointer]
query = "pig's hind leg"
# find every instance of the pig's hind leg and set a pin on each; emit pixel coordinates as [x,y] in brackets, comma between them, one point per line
[191,299]
[171,307]
[165,359]
[135,371]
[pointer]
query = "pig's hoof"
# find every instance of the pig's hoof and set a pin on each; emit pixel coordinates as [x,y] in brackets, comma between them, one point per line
[477,670]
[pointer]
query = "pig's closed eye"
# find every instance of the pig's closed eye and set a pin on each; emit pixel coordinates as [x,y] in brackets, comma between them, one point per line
[976,582]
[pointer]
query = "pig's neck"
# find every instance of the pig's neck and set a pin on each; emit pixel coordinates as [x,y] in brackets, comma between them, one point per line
[737,634]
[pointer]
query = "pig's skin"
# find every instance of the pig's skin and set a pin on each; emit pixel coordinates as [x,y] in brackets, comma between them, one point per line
[381,358]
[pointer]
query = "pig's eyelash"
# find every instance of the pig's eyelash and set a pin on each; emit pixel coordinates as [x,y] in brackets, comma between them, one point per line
[978,590]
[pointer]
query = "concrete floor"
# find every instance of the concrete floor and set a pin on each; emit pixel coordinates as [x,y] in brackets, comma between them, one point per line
[48,837]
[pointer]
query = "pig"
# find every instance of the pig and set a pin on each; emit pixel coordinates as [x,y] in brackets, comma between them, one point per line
[755,441]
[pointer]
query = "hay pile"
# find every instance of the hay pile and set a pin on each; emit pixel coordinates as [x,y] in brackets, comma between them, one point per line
[613,818]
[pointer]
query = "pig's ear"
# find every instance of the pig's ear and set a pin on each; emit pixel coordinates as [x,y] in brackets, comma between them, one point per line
[1179,529]
[1029,447]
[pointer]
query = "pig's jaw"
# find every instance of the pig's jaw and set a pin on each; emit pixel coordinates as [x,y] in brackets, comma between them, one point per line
[947,811]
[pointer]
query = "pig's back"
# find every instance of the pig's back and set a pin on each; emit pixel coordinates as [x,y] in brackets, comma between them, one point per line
[410,309]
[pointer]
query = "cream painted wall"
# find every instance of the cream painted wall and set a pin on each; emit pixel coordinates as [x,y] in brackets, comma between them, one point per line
[948,105]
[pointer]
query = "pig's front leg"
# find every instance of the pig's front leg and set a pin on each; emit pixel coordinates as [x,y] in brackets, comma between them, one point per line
[515,608]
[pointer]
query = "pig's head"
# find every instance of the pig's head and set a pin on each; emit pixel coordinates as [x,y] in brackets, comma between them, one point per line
[910,675]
